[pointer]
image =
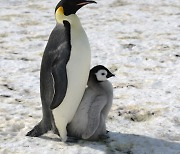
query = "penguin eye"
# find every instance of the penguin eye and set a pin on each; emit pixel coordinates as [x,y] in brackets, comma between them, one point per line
[102,74]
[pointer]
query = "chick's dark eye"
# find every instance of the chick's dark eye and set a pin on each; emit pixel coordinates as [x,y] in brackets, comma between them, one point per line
[102,73]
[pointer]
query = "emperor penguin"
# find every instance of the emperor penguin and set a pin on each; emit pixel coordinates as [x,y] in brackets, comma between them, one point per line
[64,70]
[89,120]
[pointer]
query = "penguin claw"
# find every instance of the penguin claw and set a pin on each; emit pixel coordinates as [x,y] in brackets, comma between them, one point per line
[35,132]
[31,133]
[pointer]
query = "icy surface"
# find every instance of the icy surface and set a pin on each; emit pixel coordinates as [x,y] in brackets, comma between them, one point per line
[139,40]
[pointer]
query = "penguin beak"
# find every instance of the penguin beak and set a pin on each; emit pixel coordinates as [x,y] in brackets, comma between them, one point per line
[85,2]
[110,75]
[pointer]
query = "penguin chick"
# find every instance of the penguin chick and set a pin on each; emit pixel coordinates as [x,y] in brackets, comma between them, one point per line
[89,120]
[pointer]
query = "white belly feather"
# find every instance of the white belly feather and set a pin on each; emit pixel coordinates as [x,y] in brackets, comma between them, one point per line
[77,72]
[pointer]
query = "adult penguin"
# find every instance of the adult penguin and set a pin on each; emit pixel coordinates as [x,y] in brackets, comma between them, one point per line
[64,70]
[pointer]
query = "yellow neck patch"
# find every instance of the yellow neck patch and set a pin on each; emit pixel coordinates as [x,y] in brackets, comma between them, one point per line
[60,10]
[59,14]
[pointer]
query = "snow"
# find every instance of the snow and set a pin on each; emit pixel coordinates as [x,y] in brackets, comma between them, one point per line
[138,40]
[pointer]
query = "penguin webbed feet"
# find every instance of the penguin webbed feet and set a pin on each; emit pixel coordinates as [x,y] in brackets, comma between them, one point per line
[38,130]
[35,132]
[72,139]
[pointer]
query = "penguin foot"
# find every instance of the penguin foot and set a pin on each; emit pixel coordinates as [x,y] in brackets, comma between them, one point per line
[72,140]
[103,137]
[38,130]
[35,132]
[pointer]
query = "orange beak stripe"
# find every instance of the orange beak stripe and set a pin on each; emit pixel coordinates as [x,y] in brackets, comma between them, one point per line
[83,3]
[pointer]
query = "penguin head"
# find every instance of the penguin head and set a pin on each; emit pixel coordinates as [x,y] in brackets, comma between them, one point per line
[68,7]
[100,73]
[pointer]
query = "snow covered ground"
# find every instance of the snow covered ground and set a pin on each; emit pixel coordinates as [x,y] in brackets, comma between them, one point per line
[139,40]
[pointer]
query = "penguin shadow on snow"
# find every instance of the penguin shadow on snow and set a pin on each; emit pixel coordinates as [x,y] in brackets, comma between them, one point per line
[131,144]
[124,143]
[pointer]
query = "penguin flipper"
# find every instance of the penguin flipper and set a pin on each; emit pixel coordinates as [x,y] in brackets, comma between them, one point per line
[94,116]
[60,84]
[59,72]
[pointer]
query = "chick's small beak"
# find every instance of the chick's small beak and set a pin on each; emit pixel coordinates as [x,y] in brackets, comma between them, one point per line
[85,2]
[110,75]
